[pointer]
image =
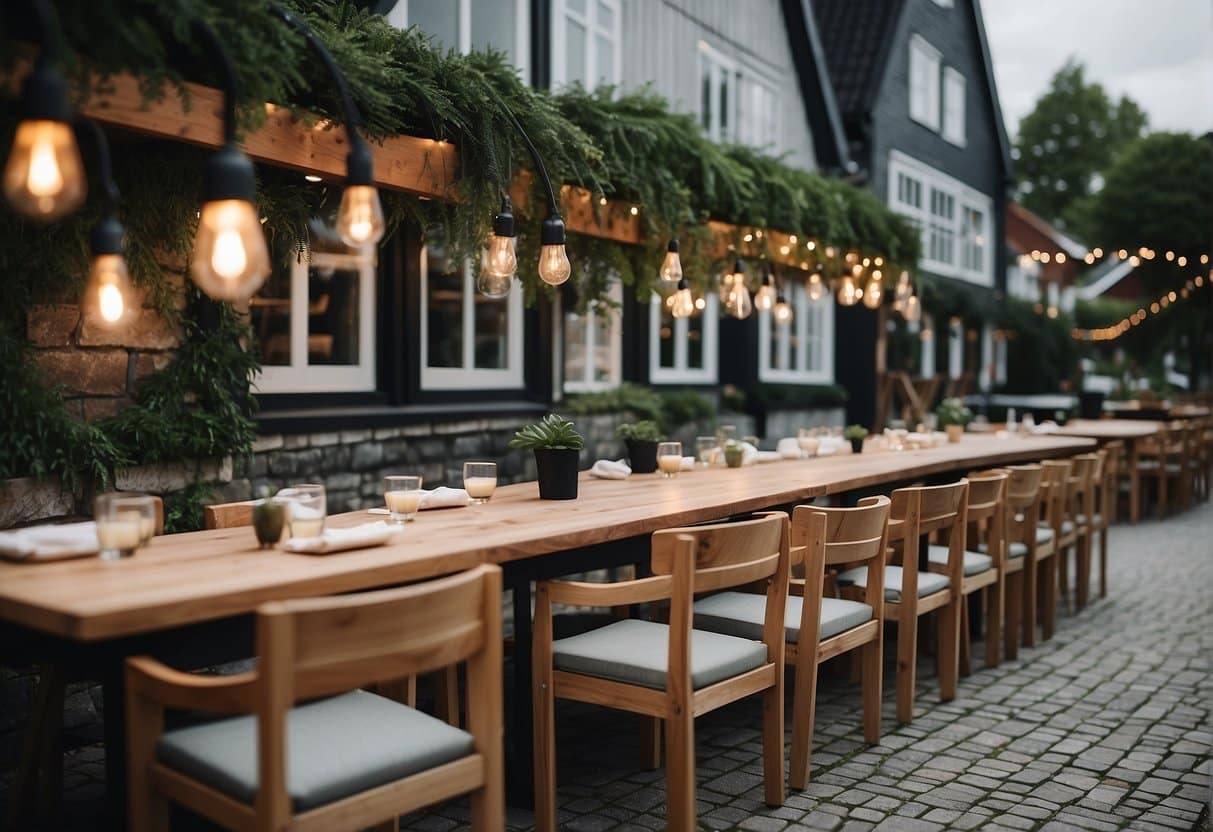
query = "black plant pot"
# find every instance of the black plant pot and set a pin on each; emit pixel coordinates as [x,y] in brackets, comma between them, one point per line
[642,454]
[857,446]
[1090,405]
[557,469]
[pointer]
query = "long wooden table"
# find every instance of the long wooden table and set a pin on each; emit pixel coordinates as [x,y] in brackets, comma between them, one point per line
[189,597]
[1130,431]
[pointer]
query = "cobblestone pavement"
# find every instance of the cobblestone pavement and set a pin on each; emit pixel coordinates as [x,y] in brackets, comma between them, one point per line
[1107,726]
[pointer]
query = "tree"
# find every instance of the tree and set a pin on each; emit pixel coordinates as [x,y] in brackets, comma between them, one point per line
[1066,143]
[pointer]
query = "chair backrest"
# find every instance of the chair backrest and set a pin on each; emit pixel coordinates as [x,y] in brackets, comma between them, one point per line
[1083,470]
[922,510]
[987,494]
[228,515]
[1023,486]
[1055,488]
[834,536]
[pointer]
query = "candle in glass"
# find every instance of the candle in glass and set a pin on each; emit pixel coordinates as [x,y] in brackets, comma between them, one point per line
[807,439]
[124,523]
[480,481]
[705,450]
[669,458]
[307,505]
[403,497]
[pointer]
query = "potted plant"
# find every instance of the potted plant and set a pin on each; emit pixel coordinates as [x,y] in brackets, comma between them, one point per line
[953,416]
[557,446]
[734,453]
[641,438]
[856,433]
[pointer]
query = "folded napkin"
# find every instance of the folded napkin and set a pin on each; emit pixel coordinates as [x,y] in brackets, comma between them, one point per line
[688,463]
[788,448]
[340,540]
[829,445]
[605,469]
[1046,427]
[769,456]
[440,497]
[40,543]
[749,454]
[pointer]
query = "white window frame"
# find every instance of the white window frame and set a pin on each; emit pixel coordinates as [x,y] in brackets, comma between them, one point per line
[470,376]
[721,67]
[560,18]
[925,65]
[801,322]
[926,355]
[399,17]
[954,92]
[901,164]
[680,373]
[301,377]
[587,383]
[956,349]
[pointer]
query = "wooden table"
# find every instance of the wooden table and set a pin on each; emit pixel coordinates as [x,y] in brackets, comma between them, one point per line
[1130,431]
[189,597]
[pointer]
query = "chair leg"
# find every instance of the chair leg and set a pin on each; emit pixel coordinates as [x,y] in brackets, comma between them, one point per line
[907,660]
[1014,617]
[947,656]
[873,679]
[994,619]
[680,772]
[147,809]
[1063,575]
[963,662]
[1082,591]
[650,742]
[1103,562]
[772,743]
[804,709]
[1031,575]
[446,695]
[544,709]
[1048,599]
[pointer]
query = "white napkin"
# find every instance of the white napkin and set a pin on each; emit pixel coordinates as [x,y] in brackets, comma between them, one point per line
[340,540]
[749,454]
[38,543]
[688,463]
[788,448]
[769,456]
[440,497]
[1046,427]
[606,469]
[829,445]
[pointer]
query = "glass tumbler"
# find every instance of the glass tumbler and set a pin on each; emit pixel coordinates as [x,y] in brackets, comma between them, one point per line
[480,481]
[669,458]
[402,494]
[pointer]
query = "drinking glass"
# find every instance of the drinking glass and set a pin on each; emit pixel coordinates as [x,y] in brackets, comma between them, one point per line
[669,458]
[807,439]
[124,523]
[705,450]
[403,497]
[480,481]
[306,508]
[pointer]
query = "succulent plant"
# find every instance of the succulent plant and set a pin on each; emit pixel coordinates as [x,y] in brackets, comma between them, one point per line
[855,432]
[552,432]
[643,431]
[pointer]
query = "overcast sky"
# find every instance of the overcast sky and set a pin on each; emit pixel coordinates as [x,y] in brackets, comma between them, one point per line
[1158,52]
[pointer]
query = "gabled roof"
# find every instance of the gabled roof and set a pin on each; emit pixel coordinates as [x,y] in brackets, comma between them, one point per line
[1103,277]
[1063,242]
[821,108]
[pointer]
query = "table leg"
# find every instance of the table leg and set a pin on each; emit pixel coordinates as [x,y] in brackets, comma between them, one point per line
[113,686]
[520,753]
[1134,485]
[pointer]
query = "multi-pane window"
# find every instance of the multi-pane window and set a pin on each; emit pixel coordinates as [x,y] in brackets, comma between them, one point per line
[586,42]
[954,106]
[972,239]
[592,345]
[924,82]
[801,352]
[465,25]
[467,339]
[736,104]
[682,350]
[942,236]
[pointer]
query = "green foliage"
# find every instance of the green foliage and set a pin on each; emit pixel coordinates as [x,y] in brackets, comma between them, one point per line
[855,432]
[682,407]
[183,509]
[953,411]
[774,396]
[553,432]
[1074,133]
[1041,354]
[635,399]
[642,431]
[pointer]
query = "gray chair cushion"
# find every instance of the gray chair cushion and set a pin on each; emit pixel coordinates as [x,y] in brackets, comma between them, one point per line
[928,582]
[742,614]
[637,652]
[1082,519]
[1043,534]
[1016,549]
[334,748]
[974,562]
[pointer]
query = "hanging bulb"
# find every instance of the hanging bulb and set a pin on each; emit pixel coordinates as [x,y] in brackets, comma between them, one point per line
[783,311]
[554,266]
[671,266]
[44,177]
[912,310]
[735,294]
[873,293]
[726,286]
[764,299]
[360,217]
[499,257]
[848,291]
[816,287]
[499,263]
[230,260]
[729,279]
[683,302]
[109,284]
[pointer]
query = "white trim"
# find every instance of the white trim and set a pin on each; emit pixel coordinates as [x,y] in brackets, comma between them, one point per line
[398,16]
[1106,281]
[680,373]
[951,230]
[587,383]
[469,376]
[300,376]
[988,361]
[806,313]
[561,15]
[954,93]
[924,93]
[926,356]
[956,347]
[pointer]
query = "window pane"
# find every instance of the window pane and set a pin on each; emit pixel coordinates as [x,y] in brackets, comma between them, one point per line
[332,313]
[493,25]
[606,17]
[604,56]
[695,342]
[444,322]
[574,52]
[575,6]
[724,106]
[602,343]
[574,346]
[666,338]
[491,346]
[705,103]
[439,18]
[270,312]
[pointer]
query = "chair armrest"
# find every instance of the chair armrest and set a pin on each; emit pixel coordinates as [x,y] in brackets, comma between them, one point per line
[617,594]
[171,688]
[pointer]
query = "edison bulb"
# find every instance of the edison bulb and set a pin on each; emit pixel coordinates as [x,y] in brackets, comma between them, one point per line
[230,259]
[913,309]
[110,281]
[500,259]
[360,217]
[554,266]
[738,302]
[764,300]
[495,286]
[873,294]
[848,291]
[44,178]
[816,287]
[683,305]
[726,286]
[783,311]
[671,266]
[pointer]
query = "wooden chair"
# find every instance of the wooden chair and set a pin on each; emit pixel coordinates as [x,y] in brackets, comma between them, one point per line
[1162,460]
[669,671]
[341,762]
[1108,499]
[817,627]
[984,560]
[1053,534]
[910,593]
[228,515]
[1025,550]
[1085,474]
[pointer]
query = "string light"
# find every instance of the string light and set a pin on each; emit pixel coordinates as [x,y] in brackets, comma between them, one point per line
[1114,331]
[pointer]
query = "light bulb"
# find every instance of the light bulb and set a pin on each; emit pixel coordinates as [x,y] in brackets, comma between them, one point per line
[500,259]
[108,278]
[671,266]
[783,311]
[738,302]
[873,294]
[816,287]
[230,257]
[913,309]
[848,291]
[726,286]
[764,299]
[491,285]
[683,305]
[44,177]
[554,266]
[360,217]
